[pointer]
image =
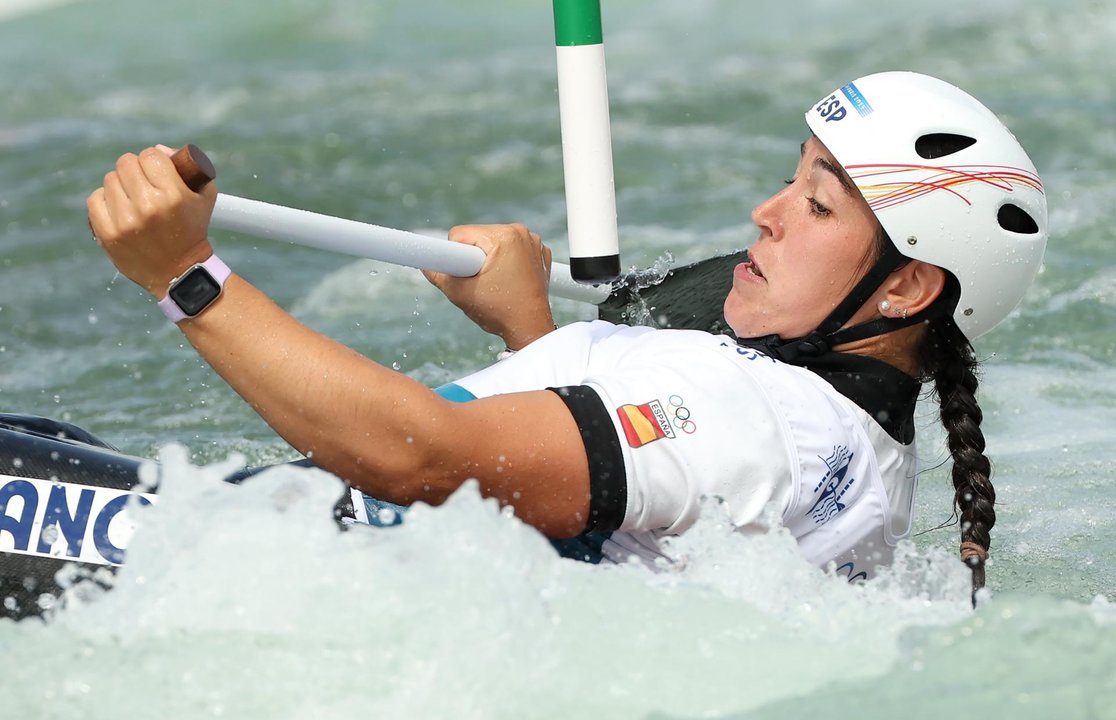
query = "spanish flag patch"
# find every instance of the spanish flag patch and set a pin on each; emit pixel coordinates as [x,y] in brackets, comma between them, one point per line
[644,423]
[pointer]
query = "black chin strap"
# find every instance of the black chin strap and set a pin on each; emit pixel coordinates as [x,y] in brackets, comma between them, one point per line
[799,351]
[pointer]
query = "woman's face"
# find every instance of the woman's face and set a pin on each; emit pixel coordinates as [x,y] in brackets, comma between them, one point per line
[815,237]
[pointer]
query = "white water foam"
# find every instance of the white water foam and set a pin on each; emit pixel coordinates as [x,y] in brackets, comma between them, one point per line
[247,601]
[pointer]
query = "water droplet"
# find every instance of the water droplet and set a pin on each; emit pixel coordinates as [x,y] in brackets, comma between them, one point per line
[395,365]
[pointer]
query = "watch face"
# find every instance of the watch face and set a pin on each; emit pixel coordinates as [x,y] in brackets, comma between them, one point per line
[194,291]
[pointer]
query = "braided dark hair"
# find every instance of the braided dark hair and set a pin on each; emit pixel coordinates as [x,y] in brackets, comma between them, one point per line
[947,358]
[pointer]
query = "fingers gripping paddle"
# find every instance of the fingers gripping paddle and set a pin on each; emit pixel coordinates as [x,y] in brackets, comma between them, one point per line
[350,237]
[194,167]
[687,297]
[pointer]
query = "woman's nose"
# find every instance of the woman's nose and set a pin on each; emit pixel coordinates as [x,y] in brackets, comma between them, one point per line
[766,216]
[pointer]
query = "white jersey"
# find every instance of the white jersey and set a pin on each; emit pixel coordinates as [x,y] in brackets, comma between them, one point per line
[671,416]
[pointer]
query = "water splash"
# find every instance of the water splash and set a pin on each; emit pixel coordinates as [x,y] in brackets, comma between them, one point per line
[249,601]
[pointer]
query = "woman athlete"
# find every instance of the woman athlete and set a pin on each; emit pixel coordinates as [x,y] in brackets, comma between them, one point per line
[914,223]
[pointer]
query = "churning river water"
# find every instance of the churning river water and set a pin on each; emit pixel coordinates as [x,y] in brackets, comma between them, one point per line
[246,602]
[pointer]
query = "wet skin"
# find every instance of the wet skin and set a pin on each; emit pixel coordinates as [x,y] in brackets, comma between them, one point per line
[815,237]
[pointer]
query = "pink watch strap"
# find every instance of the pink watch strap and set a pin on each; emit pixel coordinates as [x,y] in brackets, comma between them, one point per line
[216,268]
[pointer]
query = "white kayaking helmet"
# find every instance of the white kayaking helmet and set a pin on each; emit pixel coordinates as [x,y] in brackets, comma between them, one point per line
[948,182]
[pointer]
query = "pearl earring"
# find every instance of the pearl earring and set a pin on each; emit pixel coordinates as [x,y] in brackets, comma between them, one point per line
[884,307]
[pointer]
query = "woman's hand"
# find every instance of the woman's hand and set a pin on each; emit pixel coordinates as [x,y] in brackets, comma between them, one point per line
[150,224]
[508,297]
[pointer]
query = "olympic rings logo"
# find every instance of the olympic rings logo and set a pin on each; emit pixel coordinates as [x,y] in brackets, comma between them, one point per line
[681,415]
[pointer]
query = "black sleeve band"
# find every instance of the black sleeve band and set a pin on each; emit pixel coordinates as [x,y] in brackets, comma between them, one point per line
[608,481]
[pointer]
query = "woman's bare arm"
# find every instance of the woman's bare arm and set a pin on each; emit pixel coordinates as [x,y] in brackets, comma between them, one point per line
[380,430]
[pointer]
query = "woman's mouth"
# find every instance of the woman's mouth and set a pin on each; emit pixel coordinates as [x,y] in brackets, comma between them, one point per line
[749,271]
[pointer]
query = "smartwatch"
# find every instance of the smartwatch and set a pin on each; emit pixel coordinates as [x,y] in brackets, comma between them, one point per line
[194,290]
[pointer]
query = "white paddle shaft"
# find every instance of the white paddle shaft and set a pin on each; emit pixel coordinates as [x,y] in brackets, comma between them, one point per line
[302,227]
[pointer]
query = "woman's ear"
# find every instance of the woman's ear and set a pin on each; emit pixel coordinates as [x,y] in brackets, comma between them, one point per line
[914,286]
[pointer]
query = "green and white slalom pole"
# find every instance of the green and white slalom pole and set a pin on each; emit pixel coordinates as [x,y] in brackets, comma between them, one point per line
[586,142]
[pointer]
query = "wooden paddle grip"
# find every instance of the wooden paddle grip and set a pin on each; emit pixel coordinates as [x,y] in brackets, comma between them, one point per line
[194,166]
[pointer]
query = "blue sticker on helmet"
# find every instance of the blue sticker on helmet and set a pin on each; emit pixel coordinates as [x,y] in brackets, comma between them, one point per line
[857,99]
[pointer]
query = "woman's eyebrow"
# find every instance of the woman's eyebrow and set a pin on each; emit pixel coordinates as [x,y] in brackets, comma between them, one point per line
[841,175]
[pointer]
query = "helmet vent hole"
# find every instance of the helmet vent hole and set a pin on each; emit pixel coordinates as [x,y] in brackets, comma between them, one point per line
[1017,220]
[936,145]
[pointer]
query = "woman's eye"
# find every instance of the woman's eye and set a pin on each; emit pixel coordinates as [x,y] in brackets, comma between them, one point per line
[817,208]
[790,181]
